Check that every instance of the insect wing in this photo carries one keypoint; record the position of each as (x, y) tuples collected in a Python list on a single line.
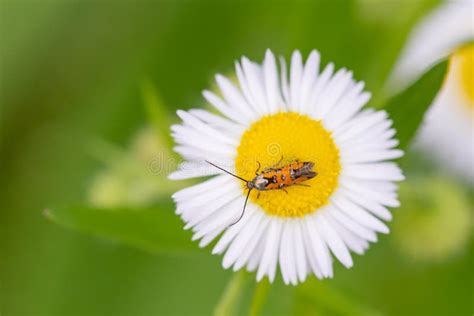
[(305, 172)]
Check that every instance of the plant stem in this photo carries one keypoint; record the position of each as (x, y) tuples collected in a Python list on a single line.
[(227, 303), (259, 297)]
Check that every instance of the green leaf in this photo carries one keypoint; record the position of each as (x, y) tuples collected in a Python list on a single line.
[(408, 108), (156, 230), (157, 112)]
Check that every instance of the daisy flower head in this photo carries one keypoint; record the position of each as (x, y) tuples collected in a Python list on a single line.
[(448, 130), (316, 162)]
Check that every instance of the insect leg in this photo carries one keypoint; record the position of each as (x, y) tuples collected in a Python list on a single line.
[(284, 190), (259, 165), (302, 184), (274, 167), (279, 161)]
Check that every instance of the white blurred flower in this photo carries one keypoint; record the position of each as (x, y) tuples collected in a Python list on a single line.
[(448, 130), (135, 177)]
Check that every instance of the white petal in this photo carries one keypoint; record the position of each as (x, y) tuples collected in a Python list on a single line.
[(332, 239), (352, 225), (353, 242), (374, 171), (300, 255), (202, 187), (206, 240), (188, 170), (222, 107), (374, 156), (310, 74), (377, 136), (335, 89), (320, 248), (318, 88), (310, 252), (296, 75), (196, 214), (241, 240), (244, 85), (359, 125), (251, 247), (285, 87), (221, 219), (197, 154), (231, 232), (284, 254), (257, 255), (185, 135), (348, 106), (358, 147), (222, 124), (369, 191), (203, 199), (379, 186), (287, 254), (234, 98), (254, 76), (359, 214), (205, 128), (270, 74), (270, 254), (369, 204)]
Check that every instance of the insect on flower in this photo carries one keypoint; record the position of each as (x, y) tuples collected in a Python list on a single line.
[(275, 178), (315, 114)]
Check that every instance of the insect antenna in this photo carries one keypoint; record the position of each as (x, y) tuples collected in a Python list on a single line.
[(243, 210), (228, 172), (248, 193)]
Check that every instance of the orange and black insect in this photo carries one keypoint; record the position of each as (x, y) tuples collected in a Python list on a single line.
[(276, 178)]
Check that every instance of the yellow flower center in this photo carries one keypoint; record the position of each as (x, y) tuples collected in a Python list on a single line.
[(289, 137), (464, 58)]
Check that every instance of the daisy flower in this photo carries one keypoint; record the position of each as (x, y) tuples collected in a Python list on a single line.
[(448, 130), (308, 116)]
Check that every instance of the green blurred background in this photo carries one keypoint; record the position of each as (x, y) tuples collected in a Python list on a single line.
[(72, 73)]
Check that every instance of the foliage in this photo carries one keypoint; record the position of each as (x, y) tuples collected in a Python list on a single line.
[(82, 70)]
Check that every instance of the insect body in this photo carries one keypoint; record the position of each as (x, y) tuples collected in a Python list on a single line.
[(275, 178)]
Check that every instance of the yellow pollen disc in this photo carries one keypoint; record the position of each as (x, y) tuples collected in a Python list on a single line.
[(293, 137), (465, 59)]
